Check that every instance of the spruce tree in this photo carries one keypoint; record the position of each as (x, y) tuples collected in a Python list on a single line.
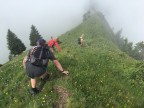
[(139, 51), (34, 36), (15, 45)]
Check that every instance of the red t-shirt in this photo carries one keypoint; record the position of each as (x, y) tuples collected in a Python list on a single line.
[(55, 43)]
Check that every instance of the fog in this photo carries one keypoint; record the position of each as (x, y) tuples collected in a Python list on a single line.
[(55, 17), (125, 14)]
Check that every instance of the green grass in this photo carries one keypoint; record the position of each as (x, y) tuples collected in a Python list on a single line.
[(101, 76)]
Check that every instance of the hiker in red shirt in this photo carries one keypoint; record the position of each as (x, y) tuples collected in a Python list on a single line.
[(54, 42)]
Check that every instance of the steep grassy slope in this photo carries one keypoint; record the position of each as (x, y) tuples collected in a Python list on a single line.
[(101, 76)]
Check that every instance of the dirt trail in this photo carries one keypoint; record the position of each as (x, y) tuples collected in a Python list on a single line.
[(63, 96)]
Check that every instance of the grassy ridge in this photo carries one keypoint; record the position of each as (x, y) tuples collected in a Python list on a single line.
[(101, 76)]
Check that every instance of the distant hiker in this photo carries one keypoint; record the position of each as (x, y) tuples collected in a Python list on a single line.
[(54, 42), (80, 40), (36, 62)]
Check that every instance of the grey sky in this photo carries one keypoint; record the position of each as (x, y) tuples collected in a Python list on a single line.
[(55, 17)]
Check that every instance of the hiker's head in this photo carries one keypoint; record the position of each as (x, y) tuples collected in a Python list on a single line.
[(41, 42)]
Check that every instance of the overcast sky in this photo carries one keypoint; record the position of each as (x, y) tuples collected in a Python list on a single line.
[(55, 17)]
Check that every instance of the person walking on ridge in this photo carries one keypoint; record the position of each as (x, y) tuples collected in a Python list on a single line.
[(81, 40), (36, 62), (52, 43)]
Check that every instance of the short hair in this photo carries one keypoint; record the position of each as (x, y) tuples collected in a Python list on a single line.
[(41, 42)]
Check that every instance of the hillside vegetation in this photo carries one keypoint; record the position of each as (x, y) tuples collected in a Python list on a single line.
[(101, 76)]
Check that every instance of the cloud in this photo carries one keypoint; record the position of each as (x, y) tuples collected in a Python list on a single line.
[(126, 14)]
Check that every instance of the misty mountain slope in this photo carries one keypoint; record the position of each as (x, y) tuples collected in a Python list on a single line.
[(101, 76)]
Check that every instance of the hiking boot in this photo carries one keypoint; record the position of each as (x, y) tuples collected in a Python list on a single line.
[(34, 91)]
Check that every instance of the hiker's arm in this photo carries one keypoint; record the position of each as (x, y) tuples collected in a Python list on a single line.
[(26, 58), (58, 65), (24, 61)]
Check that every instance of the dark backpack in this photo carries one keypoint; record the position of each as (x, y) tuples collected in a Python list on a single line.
[(38, 56)]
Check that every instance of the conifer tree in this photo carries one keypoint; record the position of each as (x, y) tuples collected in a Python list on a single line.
[(15, 45), (139, 51), (34, 35)]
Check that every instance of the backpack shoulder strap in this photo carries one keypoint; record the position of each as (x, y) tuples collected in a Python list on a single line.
[(41, 53)]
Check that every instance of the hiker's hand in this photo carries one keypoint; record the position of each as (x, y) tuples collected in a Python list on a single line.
[(65, 72), (24, 62)]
